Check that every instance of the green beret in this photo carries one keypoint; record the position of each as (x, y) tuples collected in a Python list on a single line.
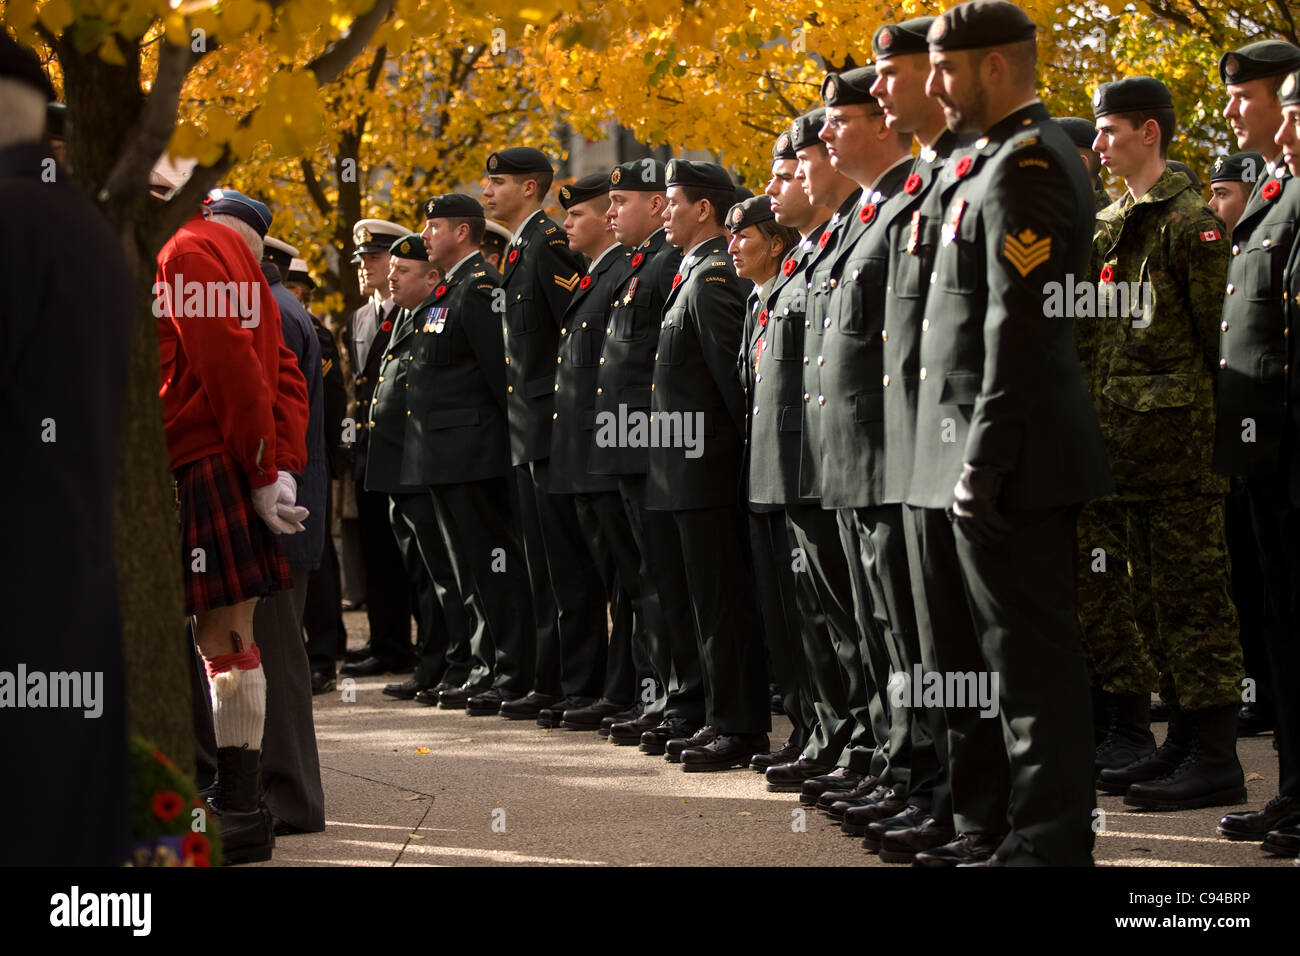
[(1081, 131), (588, 187), (805, 129), (453, 206), (849, 87), (409, 247), (749, 212), (519, 159), (979, 23), (1238, 168), (639, 175), (685, 172), (1129, 95), (1289, 94), (1187, 171), (1259, 59), (900, 39)]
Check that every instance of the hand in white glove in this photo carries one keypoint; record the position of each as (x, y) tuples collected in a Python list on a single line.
[(265, 504), (286, 503)]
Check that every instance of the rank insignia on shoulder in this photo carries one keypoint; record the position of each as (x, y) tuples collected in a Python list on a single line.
[(478, 275), (1210, 235), (1034, 161), (551, 230), (717, 262), (1027, 141), (567, 284), (1026, 251), (715, 278)]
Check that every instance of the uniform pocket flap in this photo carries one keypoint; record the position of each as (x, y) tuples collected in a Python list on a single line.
[(960, 388), (1272, 368), (537, 387), (870, 406), (452, 418), (1146, 393), (791, 419)]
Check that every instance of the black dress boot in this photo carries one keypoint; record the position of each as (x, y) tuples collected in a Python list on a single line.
[(1163, 760), (1128, 736), (246, 828), (1209, 776), (1100, 715)]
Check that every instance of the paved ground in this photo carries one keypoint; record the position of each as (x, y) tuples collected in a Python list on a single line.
[(413, 785)]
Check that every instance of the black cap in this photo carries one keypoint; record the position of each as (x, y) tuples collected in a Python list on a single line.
[(56, 121), (21, 64), (409, 247), (900, 39), (749, 212), (228, 202), (452, 206), (849, 87), (979, 23), (1259, 59), (1238, 168), (684, 172), (588, 187), (805, 129), (743, 193), (1289, 93), (518, 159), (1186, 170), (639, 175), (1129, 95), (783, 148), (1081, 131)]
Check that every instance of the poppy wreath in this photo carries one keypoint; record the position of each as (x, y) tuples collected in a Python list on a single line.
[(165, 808)]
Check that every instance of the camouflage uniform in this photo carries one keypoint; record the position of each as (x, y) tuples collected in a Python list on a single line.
[(1162, 603), (1100, 194)]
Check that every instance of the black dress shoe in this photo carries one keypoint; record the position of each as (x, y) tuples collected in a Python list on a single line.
[(702, 737), (789, 753), (726, 751), (967, 848), (629, 733), (789, 777), (902, 846), (1252, 721), (863, 788), (839, 807), (322, 680), (841, 778), (622, 717), (357, 654), (1284, 841), (406, 690), (592, 716), (655, 740), (856, 819), (909, 817), (457, 698), (429, 696), (528, 706), (369, 667), (488, 703), (1281, 811), (552, 716)]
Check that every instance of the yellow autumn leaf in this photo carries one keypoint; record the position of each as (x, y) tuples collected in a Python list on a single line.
[(422, 750), (56, 15)]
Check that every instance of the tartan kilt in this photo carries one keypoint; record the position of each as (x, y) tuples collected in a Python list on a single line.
[(241, 557)]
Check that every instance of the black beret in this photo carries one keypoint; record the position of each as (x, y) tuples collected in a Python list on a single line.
[(684, 172), (588, 187), (1259, 59), (899, 39), (639, 175), (518, 159), (1186, 170), (849, 87), (980, 23), (749, 212), (743, 193), (410, 247), (452, 206), (1081, 131), (1238, 168), (21, 64), (783, 148), (805, 129), (1129, 95), (56, 121), (1289, 94)]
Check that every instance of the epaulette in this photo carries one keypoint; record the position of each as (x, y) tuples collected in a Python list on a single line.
[(1029, 140), (716, 262), (478, 275), (485, 285), (551, 230)]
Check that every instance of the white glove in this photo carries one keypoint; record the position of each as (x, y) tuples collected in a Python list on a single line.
[(286, 504), (265, 504)]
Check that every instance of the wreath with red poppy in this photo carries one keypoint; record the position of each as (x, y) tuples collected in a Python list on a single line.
[(963, 166), (912, 184), (585, 283), (868, 212), (1271, 190)]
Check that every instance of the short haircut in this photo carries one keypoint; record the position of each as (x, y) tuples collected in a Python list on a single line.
[(1166, 119), (788, 236), (246, 232), (477, 226), (22, 113), (1021, 57), (720, 200), (543, 181)]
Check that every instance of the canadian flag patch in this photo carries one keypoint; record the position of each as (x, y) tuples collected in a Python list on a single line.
[(1210, 235)]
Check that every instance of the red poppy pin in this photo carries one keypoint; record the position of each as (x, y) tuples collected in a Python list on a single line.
[(821, 243), (868, 212), (514, 254), (788, 267), (963, 166), (439, 292), (677, 280), (762, 318), (387, 326), (1107, 273), (1271, 189), (637, 259), (585, 283), (912, 184)]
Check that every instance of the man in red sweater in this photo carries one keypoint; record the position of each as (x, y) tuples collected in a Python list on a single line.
[(235, 415)]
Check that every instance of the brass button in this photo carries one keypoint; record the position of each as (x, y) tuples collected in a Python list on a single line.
[(821, 399), (805, 360), (834, 283), (374, 401), (564, 331), (381, 378), (923, 375), (656, 356), (807, 323), (1267, 242), (1235, 248), (557, 386), (652, 388), (602, 360), (755, 409), (600, 391), (885, 381), (510, 388), (1229, 288), (981, 142), (408, 411), (584, 325), (554, 415), (390, 357), (856, 273), (407, 385), (758, 376), (826, 322), (925, 325), (1223, 326), (1223, 363), (559, 359), (821, 360), (884, 335), (807, 397), (370, 424), (507, 359), (933, 277)]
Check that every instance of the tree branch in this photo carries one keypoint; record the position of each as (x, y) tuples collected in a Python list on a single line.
[(342, 51), (314, 188), (188, 198), (154, 130)]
